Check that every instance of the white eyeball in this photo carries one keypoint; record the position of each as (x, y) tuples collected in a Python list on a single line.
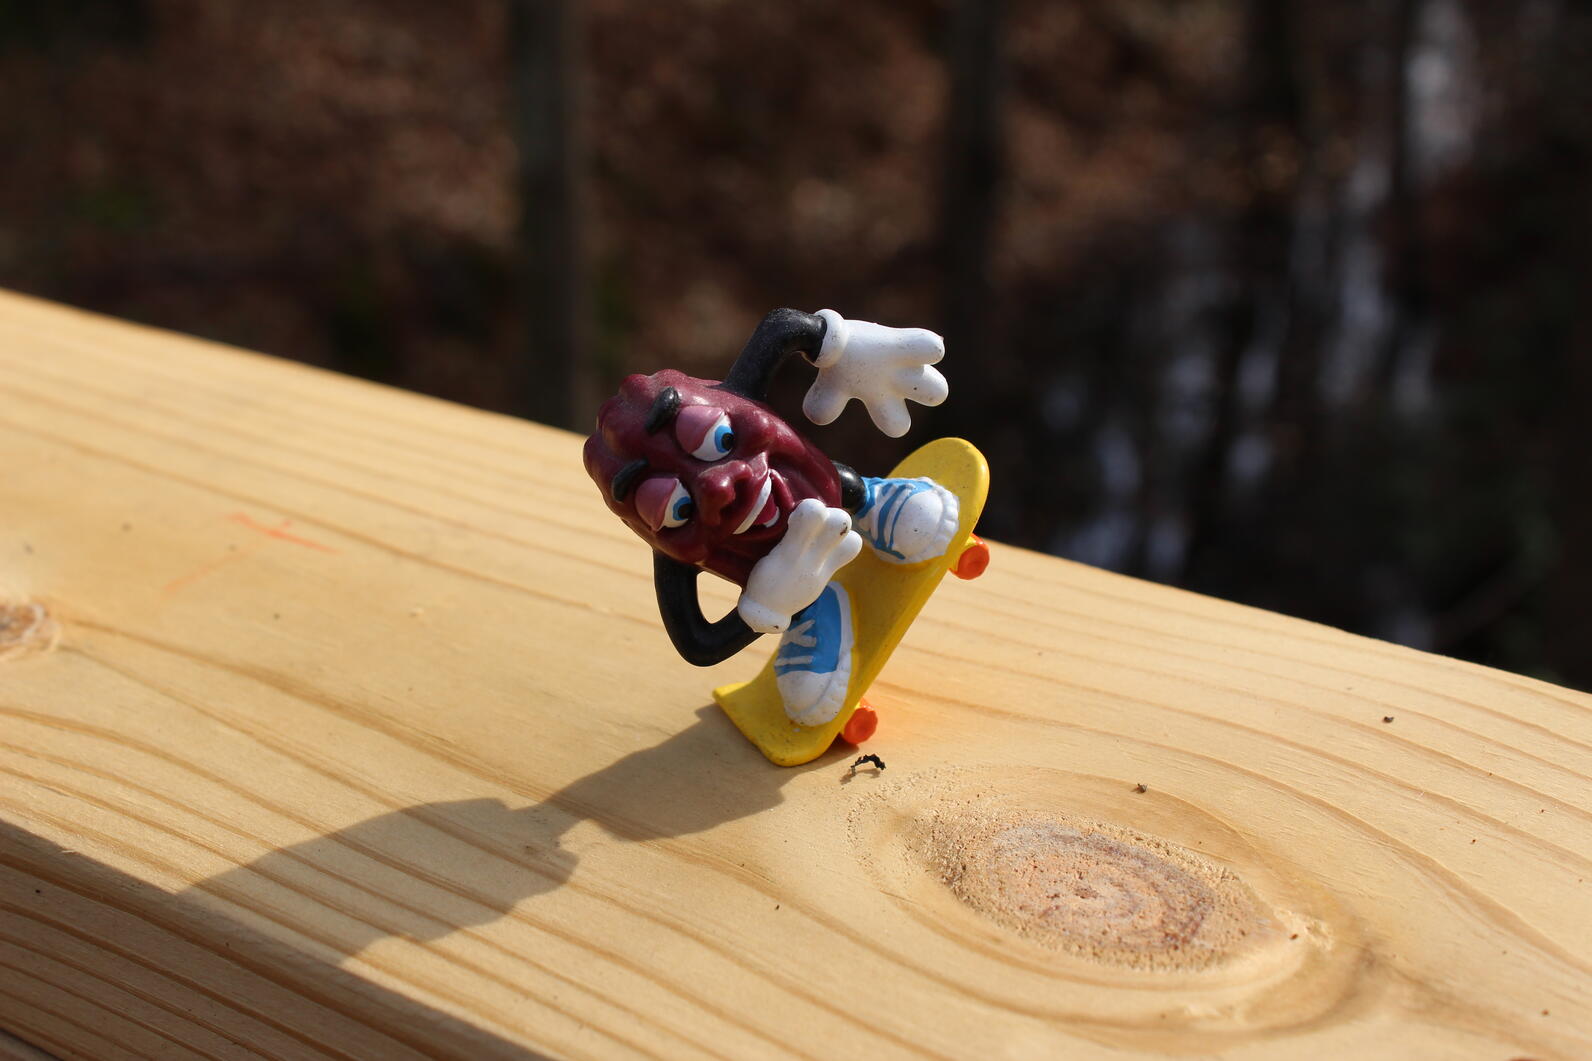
[(718, 442)]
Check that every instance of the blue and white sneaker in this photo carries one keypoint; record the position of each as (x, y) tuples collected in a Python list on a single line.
[(813, 664), (906, 521)]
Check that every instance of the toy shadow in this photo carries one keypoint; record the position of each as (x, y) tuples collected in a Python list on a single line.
[(426, 871), (227, 984)]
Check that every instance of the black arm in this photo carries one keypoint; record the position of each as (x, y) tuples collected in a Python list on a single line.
[(781, 334), (698, 641)]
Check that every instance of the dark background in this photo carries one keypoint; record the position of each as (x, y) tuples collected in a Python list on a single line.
[(1282, 302)]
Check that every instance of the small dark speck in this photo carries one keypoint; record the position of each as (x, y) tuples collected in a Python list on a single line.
[(38, 891), (1294, 936), (1544, 1013), (27, 548), (276, 615), (862, 759), (776, 906), (1387, 718), (1473, 839), (1141, 789)]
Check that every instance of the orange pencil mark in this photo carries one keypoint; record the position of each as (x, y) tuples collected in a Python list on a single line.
[(195, 575), (280, 532)]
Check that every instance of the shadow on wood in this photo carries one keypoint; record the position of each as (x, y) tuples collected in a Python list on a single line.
[(96, 963), (427, 871)]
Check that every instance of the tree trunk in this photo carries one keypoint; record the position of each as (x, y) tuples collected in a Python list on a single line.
[(544, 38)]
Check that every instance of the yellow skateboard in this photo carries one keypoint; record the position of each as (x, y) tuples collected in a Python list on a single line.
[(885, 598)]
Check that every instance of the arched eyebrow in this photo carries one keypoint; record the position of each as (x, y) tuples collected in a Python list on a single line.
[(664, 408), (626, 478)]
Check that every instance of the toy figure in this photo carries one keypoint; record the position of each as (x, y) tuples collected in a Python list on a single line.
[(713, 479)]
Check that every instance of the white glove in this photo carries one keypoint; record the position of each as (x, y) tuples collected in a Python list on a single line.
[(818, 542), (881, 367)]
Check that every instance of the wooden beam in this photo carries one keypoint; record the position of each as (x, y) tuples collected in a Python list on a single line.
[(357, 736)]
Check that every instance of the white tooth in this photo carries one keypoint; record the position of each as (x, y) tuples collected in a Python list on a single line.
[(773, 517), (762, 499)]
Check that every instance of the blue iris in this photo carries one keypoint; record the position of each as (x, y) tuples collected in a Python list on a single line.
[(678, 508), (718, 441)]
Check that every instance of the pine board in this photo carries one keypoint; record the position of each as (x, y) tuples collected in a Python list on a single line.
[(359, 737)]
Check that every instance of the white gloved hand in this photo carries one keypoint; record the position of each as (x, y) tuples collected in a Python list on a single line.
[(818, 542), (881, 367)]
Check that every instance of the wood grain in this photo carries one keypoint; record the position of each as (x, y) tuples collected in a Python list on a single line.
[(358, 737)]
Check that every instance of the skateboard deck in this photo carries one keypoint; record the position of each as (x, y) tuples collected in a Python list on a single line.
[(885, 599)]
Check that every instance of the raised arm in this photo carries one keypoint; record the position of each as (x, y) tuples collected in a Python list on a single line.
[(884, 368), (782, 333)]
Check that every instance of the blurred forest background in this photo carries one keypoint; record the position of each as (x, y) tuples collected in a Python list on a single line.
[(1282, 302)]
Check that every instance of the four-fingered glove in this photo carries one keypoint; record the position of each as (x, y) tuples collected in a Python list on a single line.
[(880, 367), (818, 542)]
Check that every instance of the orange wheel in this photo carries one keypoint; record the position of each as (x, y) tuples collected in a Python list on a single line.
[(860, 726), (974, 559)]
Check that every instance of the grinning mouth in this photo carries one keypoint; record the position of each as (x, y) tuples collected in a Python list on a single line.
[(764, 511)]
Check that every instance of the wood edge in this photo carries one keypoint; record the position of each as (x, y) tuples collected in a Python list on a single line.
[(45, 312), (14, 1049)]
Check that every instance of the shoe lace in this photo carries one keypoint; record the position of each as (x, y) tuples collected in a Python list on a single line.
[(798, 637)]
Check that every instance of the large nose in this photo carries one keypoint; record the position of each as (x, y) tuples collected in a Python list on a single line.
[(715, 491)]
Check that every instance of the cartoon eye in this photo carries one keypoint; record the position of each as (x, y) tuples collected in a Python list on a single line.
[(705, 433), (662, 501), (678, 510)]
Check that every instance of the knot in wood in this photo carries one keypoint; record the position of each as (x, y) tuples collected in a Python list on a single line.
[(1095, 890), (25, 627)]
